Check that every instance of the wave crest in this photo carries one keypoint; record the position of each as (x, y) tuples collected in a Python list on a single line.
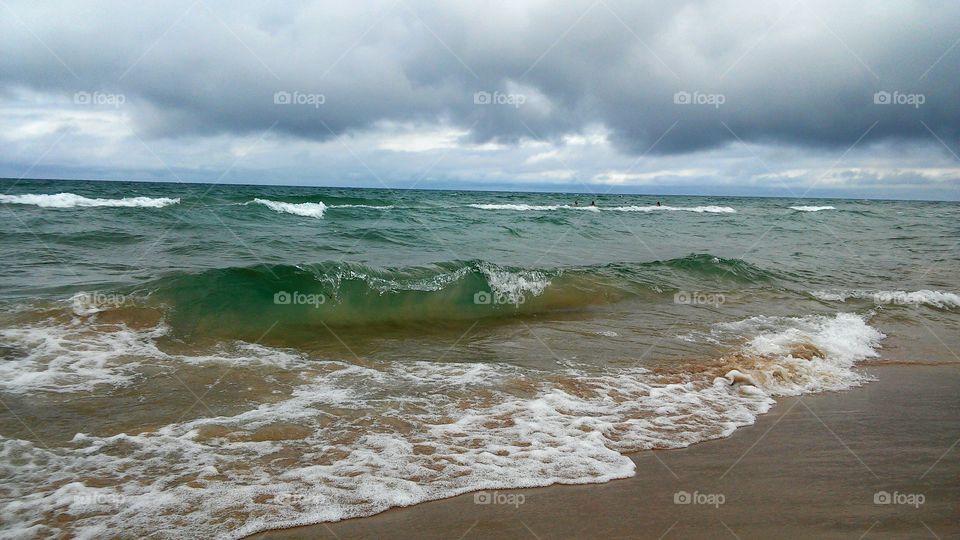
[(651, 208), (71, 200), (234, 301), (938, 299), (811, 208), (711, 209), (307, 209)]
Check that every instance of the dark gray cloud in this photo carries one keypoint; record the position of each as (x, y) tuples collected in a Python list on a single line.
[(796, 73)]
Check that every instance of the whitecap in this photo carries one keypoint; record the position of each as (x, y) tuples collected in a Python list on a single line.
[(938, 299), (70, 200), (711, 209), (526, 207), (812, 208), (651, 208), (314, 210)]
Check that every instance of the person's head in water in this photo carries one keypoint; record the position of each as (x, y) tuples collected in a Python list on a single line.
[(576, 202), (658, 203), (593, 203)]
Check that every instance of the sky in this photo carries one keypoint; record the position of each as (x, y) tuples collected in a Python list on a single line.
[(796, 98)]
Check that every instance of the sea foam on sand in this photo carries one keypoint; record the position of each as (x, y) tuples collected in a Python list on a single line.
[(353, 440)]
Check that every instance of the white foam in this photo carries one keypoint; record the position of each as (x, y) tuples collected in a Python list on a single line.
[(70, 200), (74, 357), (395, 434), (811, 208), (844, 340), (376, 207), (699, 209), (83, 355), (514, 287), (554, 437), (650, 208), (314, 210), (938, 299), (525, 207)]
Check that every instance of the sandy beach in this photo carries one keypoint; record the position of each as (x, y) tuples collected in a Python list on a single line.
[(816, 466)]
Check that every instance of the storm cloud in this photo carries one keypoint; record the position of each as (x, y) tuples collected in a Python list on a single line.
[(658, 79)]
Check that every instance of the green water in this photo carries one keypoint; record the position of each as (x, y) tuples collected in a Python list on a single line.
[(296, 350)]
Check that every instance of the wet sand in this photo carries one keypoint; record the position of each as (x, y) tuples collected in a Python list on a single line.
[(811, 468)]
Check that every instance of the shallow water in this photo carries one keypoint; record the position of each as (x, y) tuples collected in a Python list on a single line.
[(248, 357)]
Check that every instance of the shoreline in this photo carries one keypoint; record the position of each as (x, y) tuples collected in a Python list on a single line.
[(812, 466)]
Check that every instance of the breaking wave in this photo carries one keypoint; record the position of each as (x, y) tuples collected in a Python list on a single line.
[(237, 302), (938, 299), (70, 200), (811, 208), (650, 208), (308, 209), (349, 440)]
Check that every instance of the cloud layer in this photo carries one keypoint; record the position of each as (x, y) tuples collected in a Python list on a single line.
[(621, 93)]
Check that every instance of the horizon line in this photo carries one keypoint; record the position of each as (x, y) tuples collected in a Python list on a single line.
[(476, 190)]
